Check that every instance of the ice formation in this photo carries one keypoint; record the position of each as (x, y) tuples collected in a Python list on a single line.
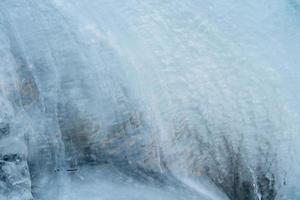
[(149, 99)]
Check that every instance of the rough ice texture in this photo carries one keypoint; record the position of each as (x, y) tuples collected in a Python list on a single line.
[(198, 97)]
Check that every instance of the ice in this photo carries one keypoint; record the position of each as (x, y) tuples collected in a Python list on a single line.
[(108, 183), (153, 99)]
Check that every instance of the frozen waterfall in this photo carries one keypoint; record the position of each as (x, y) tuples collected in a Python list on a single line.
[(149, 99)]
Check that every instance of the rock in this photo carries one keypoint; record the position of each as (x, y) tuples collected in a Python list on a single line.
[(15, 180), (4, 129)]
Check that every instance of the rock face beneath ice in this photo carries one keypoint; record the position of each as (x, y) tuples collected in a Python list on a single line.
[(197, 98), (15, 180)]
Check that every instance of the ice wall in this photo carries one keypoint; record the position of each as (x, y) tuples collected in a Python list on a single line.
[(167, 92)]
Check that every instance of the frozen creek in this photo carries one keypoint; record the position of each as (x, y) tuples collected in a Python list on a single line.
[(149, 99)]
